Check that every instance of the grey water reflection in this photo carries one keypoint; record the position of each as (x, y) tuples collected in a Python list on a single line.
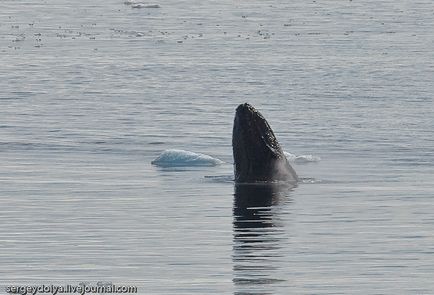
[(258, 238)]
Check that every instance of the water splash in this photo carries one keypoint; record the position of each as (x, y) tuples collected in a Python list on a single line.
[(301, 158)]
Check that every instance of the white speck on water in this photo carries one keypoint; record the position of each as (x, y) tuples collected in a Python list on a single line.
[(135, 4)]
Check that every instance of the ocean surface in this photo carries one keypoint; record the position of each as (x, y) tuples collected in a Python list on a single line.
[(91, 92)]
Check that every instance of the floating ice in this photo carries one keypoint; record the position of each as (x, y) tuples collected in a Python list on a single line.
[(135, 4), (301, 158), (178, 158)]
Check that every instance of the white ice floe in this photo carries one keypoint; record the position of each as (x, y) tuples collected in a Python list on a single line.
[(178, 158)]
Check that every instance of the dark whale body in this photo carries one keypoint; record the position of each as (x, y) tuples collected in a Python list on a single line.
[(258, 157)]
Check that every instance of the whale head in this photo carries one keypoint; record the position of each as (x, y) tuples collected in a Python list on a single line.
[(258, 156)]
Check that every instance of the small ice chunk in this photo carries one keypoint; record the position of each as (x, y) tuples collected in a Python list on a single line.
[(143, 5), (182, 158)]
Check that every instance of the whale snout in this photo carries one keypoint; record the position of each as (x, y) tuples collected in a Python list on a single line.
[(245, 108), (246, 117)]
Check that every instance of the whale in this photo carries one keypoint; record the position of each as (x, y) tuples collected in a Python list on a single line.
[(258, 156)]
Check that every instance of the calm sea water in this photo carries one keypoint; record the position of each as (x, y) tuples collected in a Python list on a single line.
[(93, 91)]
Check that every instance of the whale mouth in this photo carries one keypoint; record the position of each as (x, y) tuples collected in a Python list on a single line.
[(254, 143)]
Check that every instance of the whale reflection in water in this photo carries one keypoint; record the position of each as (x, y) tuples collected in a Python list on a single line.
[(258, 238)]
